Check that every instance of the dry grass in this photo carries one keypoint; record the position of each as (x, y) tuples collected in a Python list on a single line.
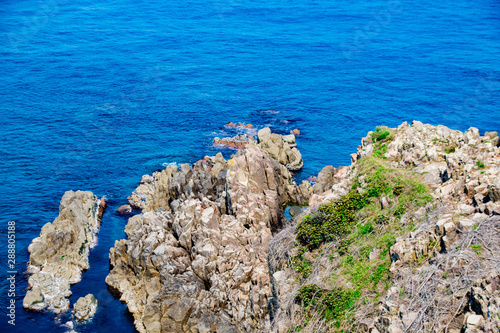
[(438, 292)]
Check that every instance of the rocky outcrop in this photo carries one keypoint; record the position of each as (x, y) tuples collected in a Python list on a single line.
[(60, 254), (196, 259), (205, 179), (444, 272), (85, 308), (281, 148)]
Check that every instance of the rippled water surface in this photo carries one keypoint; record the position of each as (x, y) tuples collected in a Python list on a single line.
[(95, 94)]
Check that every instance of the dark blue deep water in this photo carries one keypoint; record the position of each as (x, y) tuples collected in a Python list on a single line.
[(94, 94)]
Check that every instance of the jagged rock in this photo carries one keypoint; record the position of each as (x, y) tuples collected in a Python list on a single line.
[(295, 211), (290, 139), (60, 254), (264, 134), (471, 136), (85, 308), (494, 191), (197, 261), (493, 137), (197, 258), (34, 300), (305, 191)]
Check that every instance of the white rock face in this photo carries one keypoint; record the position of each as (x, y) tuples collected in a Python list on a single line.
[(60, 254)]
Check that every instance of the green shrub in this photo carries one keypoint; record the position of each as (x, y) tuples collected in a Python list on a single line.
[(301, 265), (400, 211), (381, 218), (331, 220), (331, 304), (344, 245), (308, 295), (480, 164), (365, 229), (381, 133)]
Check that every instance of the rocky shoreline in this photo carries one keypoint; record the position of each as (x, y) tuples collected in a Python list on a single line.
[(212, 250)]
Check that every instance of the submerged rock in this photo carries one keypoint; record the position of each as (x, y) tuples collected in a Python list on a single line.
[(237, 142), (124, 210), (85, 308), (60, 254), (233, 125)]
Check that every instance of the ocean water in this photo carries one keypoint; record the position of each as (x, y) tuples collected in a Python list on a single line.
[(95, 94)]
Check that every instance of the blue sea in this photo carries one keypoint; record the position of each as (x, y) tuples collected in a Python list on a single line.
[(94, 94)]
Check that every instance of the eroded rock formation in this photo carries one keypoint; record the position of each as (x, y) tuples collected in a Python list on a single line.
[(61, 252), (196, 259), (281, 148)]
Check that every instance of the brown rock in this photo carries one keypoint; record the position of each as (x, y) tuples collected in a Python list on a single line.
[(103, 203), (236, 142), (124, 210), (245, 126), (295, 131)]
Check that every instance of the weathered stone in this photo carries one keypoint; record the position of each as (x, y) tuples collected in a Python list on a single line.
[(295, 211), (60, 254), (85, 308), (278, 147)]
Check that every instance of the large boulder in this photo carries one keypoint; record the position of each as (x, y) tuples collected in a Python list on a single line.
[(324, 181)]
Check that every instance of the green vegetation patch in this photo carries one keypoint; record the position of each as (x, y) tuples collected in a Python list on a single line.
[(331, 304), (450, 149), (380, 138), (301, 265), (381, 133), (331, 220), (363, 231)]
